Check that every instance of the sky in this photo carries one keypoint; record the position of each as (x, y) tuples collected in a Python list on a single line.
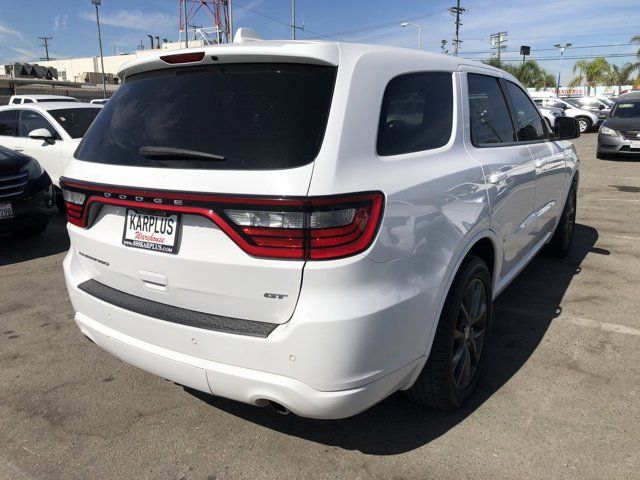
[(587, 24)]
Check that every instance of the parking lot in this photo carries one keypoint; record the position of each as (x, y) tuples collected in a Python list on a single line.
[(560, 397)]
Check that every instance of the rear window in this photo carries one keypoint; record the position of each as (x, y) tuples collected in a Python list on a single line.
[(75, 121), (235, 116)]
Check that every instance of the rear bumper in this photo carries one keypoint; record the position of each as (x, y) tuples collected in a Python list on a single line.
[(242, 384), (338, 355)]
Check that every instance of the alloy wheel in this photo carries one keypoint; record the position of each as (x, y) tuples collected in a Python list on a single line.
[(469, 334)]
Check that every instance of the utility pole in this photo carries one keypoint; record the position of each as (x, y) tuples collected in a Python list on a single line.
[(562, 48), (230, 37), (104, 82), (45, 44), (293, 19), (499, 43), (294, 27), (186, 26), (457, 11)]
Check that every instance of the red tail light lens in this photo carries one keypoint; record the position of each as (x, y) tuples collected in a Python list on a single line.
[(315, 228)]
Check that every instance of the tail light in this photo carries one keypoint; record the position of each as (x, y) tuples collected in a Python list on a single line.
[(312, 228)]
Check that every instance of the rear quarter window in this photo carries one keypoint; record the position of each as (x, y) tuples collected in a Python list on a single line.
[(416, 114)]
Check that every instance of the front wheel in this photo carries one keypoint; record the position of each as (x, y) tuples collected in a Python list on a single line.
[(451, 373), (562, 239), (584, 124)]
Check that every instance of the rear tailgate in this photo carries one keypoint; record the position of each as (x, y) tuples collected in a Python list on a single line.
[(248, 130)]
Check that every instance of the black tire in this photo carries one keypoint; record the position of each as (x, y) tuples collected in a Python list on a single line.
[(34, 229), (562, 239), (440, 384), (584, 124)]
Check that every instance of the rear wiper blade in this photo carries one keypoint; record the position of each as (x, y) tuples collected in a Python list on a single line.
[(149, 151)]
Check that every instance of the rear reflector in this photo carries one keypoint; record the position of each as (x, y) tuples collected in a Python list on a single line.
[(313, 228), (190, 57)]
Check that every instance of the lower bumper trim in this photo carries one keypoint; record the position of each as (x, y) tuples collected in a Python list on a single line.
[(173, 314)]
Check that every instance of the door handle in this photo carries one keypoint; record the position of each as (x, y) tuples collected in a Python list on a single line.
[(540, 163), (497, 177)]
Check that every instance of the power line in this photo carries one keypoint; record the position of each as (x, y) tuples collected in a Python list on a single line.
[(276, 20)]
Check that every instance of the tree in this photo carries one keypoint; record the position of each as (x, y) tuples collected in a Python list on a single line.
[(530, 73), (636, 39), (623, 75), (590, 73)]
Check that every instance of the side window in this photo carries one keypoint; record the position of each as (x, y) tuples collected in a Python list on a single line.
[(417, 113), (8, 123), (27, 100), (529, 123), (15, 101), (489, 116), (28, 120)]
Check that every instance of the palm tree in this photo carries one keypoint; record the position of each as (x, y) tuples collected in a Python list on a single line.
[(636, 39), (623, 75), (590, 73)]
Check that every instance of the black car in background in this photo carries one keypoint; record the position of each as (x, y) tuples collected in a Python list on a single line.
[(620, 133), (27, 198)]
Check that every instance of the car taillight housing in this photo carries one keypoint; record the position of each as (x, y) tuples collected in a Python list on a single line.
[(310, 228)]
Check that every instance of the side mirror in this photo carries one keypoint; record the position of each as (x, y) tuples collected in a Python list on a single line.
[(566, 128), (41, 134)]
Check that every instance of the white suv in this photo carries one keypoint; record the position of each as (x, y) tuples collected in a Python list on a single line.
[(311, 225)]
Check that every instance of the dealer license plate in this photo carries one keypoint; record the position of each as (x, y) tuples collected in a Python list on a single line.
[(151, 231), (6, 211)]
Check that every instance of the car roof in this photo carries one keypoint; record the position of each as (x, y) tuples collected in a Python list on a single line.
[(317, 52), (44, 106), (629, 96), (41, 96)]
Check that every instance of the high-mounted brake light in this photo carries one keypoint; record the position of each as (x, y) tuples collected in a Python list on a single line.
[(190, 57), (312, 228)]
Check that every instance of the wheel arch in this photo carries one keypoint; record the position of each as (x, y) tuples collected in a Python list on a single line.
[(483, 244)]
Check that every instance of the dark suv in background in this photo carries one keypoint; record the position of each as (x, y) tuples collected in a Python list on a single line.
[(26, 194)]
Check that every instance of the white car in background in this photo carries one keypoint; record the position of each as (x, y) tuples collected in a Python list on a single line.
[(550, 114), (99, 101), (20, 99), (48, 131), (586, 119)]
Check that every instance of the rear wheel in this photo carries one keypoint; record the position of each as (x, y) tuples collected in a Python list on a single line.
[(451, 372), (560, 243), (584, 124)]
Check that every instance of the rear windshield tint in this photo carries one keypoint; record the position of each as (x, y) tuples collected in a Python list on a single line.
[(243, 116)]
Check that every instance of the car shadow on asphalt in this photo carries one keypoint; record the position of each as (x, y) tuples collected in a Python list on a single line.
[(522, 315), (16, 249)]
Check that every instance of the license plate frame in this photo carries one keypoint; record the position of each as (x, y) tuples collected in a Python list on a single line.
[(635, 144), (144, 244), (6, 211)]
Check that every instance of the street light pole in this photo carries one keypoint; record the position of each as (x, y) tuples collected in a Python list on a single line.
[(104, 83), (562, 48), (419, 27)]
